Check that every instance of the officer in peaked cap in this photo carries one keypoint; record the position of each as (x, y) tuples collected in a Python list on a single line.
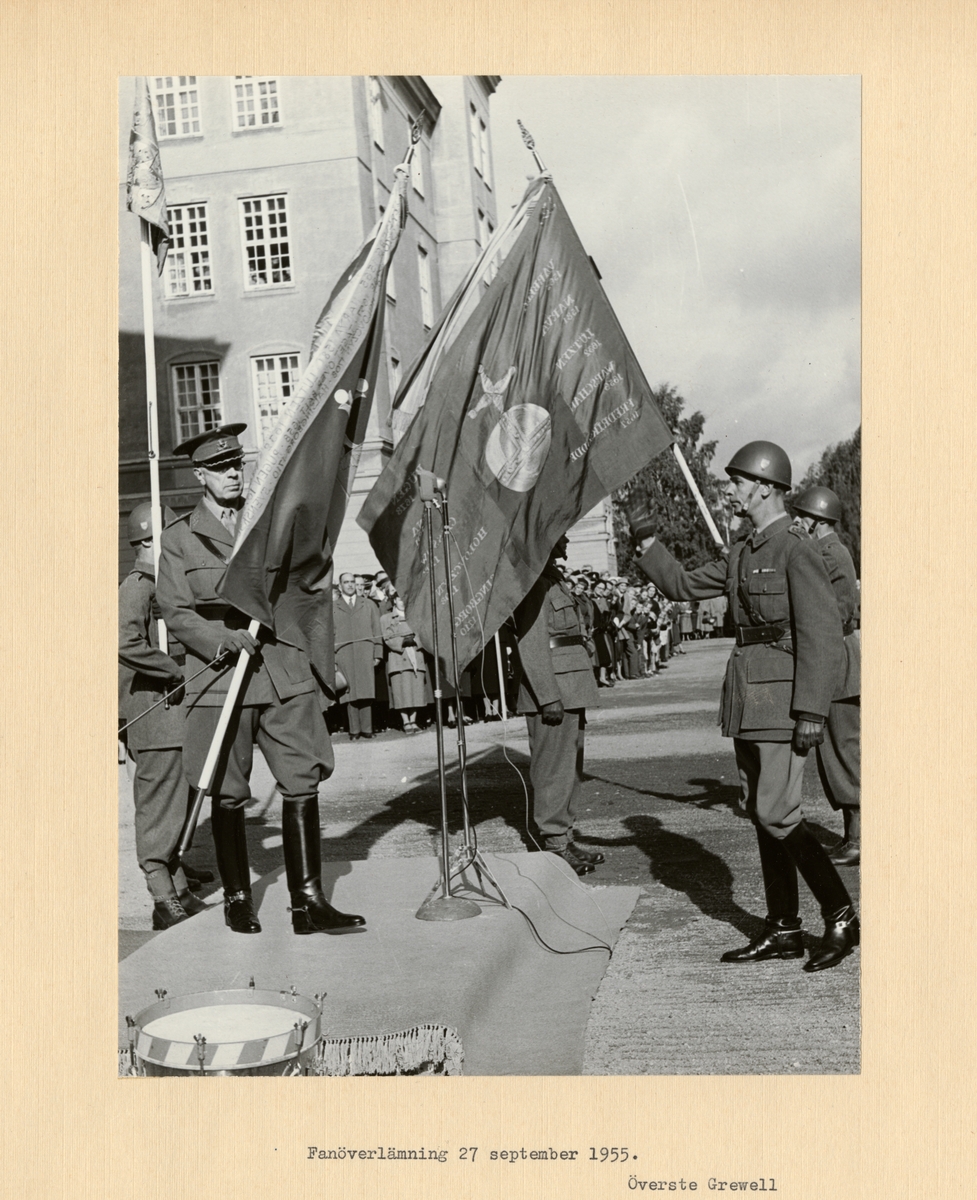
[(780, 681), (819, 510), (214, 444), (279, 705), (154, 741)]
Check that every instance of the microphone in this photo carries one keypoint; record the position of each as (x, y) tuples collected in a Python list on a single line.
[(429, 485)]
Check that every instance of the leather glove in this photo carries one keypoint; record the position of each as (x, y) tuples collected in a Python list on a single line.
[(233, 641), (807, 735), (177, 696), (638, 512), (552, 713), (154, 608)]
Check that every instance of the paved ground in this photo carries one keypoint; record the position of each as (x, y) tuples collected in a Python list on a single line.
[(661, 801)]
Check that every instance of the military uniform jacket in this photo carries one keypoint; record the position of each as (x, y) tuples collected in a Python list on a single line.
[(359, 644), (841, 572), (145, 672), (194, 555), (563, 672), (777, 576)]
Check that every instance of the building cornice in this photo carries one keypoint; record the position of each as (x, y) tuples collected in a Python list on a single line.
[(420, 97)]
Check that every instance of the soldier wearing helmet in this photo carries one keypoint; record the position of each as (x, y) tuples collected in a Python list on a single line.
[(780, 681), (154, 741), (818, 510)]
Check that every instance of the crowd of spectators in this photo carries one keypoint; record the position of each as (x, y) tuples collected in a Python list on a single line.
[(632, 632)]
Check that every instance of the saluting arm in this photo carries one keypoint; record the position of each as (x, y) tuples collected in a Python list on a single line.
[(668, 574)]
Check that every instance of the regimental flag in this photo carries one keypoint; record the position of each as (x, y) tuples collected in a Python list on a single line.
[(535, 411), (280, 571), (145, 194)]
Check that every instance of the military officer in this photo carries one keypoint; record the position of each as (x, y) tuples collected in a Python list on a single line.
[(279, 705), (555, 686), (155, 740), (779, 685), (819, 510)]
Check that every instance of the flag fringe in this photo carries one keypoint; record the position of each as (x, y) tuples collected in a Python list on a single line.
[(422, 1050)]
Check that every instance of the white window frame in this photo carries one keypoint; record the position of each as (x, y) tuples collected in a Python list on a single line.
[(254, 212), (425, 286), (374, 105), (273, 393), (202, 380), (263, 115), (187, 272), (183, 95)]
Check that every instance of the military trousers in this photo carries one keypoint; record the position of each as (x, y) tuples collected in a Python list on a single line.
[(291, 734), (556, 754), (839, 755), (159, 790), (771, 775)]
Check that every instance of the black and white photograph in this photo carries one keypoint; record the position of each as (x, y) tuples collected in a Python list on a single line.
[(489, 561)]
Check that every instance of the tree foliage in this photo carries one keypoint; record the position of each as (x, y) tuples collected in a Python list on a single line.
[(840, 468), (678, 522)]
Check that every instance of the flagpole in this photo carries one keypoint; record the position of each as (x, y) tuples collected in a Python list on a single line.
[(717, 537), (498, 661), (209, 769), (152, 410)]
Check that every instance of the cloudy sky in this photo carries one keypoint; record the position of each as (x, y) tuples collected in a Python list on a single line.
[(723, 214)]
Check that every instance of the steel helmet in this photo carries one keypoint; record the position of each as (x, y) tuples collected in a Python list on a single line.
[(763, 461), (820, 502), (140, 523)]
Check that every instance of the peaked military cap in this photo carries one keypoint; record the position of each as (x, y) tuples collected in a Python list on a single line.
[(215, 443)]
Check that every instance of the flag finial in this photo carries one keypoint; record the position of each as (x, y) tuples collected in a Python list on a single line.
[(530, 141)]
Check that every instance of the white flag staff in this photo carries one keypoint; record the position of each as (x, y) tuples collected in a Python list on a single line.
[(717, 537), (146, 197), (217, 744)]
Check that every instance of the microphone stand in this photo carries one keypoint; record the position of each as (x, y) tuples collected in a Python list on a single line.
[(469, 848), (445, 907)]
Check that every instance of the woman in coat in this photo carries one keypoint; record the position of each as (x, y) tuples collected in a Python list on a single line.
[(406, 672)]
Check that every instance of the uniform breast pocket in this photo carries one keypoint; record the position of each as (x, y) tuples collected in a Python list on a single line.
[(768, 595), (203, 580), (563, 615)]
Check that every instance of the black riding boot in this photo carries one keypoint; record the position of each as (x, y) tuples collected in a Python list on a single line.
[(231, 851), (311, 912), (781, 936), (819, 873)]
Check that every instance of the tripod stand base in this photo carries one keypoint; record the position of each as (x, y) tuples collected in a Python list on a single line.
[(447, 908)]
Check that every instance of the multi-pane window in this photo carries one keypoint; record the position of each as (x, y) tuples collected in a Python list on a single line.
[(264, 230), (188, 260), (480, 146), (255, 102), (375, 107), (273, 378), (196, 388), (177, 108), (424, 278), (483, 233)]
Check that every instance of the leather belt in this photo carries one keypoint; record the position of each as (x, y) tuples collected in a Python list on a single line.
[(566, 639), (752, 635)]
